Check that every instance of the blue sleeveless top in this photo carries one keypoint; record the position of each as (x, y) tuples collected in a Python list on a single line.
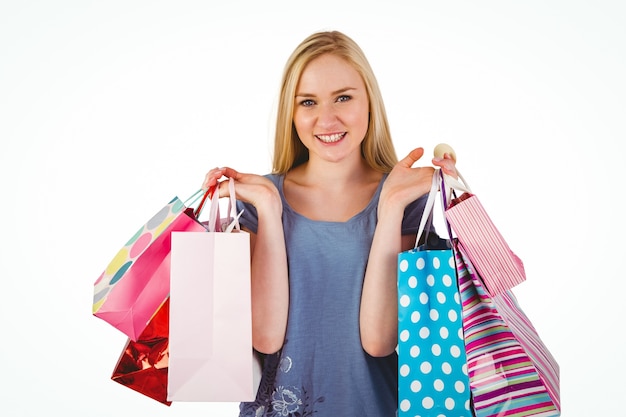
[(322, 369)]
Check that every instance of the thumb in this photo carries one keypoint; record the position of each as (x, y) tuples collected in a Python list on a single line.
[(412, 157)]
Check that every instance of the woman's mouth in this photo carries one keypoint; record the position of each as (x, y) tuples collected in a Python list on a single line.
[(335, 137)]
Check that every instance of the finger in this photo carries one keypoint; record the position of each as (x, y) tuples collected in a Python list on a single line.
[(447, 165), (211, 178), (412, 157), (231, 173)]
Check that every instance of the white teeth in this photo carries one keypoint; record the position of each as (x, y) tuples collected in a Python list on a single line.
[(330, 138)]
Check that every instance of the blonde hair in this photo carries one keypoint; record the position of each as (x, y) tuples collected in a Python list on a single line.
[(289, 152)]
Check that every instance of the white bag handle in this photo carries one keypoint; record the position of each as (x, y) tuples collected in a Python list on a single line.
[(232, 221), (449, 183), (232, 210), (428, 208), (452, 184)]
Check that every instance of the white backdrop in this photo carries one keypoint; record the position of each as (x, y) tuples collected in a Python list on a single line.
[(109, 109)]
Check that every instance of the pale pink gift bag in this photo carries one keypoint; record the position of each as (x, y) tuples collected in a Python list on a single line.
[(210, 341), (498, 266)]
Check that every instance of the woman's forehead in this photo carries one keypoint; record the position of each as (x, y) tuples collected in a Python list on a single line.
[(328, 73)]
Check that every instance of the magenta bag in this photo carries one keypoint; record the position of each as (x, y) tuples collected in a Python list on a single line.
[(137, 280)]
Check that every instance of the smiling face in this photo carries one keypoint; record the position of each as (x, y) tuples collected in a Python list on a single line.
[(331, 109)]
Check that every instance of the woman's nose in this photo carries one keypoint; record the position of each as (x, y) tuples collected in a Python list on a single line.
[(327, 115)]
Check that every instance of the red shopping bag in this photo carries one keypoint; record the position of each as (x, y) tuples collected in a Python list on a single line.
[(136, 282), (498, 266), (143, 363)]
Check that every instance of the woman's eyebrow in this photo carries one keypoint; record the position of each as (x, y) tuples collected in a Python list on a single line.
[(334, 93)]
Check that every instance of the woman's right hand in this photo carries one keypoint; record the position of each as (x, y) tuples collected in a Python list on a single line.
[(250, 188), (268, 266)]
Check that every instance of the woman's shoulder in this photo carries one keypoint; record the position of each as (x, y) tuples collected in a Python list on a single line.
[(275, 178)]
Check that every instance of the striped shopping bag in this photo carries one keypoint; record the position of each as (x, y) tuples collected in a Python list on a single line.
[(528, 337), (499, 268), (511, 371)]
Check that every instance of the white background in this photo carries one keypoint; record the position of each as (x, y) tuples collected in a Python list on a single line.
[(109, 109)]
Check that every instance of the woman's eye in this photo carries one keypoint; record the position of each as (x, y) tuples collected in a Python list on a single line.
[(343, 98), (307, 103)]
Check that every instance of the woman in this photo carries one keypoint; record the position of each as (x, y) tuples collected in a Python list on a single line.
[(326, 229)]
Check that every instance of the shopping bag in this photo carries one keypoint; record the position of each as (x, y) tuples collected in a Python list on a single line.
[(511, 370), (142, 366), (211, 355), (432, 365), (136, 282), (499, 267)]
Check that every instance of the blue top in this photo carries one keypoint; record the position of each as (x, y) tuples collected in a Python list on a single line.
[(322, 367)]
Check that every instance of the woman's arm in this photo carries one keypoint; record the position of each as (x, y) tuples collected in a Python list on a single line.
[(379, 308), (269, 284)]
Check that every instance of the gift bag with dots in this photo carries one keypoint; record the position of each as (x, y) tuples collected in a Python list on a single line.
[(432, 364), (136, 281)]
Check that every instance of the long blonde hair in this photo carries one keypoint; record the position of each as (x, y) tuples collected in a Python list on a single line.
[(289, 152)]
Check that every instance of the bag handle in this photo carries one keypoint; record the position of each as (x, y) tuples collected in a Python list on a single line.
[(439, 181), (428, 208), (214, 223), (451, 184), (190, 201), (454, 184), (232, 209), (207, 194)]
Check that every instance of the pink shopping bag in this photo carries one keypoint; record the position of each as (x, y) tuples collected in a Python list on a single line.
[(211, 356), (136, 282), (499, 267)]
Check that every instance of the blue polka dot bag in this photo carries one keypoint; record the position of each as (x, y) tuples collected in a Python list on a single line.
[(432, 362)]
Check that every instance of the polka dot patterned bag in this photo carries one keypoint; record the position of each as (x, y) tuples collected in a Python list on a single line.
[(136, 282), (432, 364)]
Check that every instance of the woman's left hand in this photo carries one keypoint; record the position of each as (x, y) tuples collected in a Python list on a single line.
[(405, 182), (447, 165)]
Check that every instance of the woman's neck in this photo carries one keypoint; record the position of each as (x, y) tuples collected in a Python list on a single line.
[(325, 191), (332, 174)]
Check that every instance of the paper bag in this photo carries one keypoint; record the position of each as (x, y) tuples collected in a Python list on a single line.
[(136, 282), (211, 355), (432, 365), (511, 370), (142, 366), (499, 267)]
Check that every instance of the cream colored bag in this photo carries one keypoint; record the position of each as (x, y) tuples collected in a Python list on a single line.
[(211, 355)]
